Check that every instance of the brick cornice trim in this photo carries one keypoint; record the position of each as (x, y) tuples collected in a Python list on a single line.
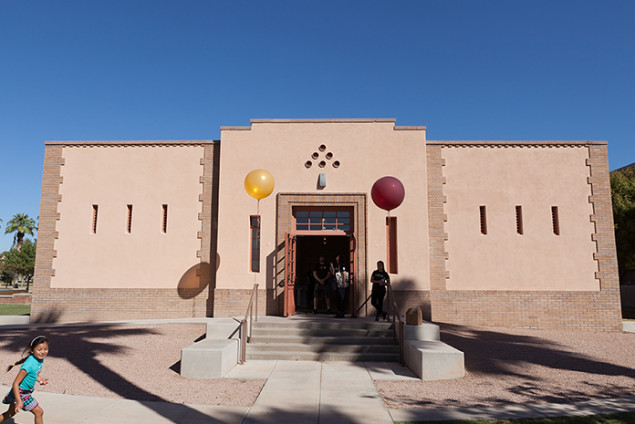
[(125, 143), (514, 143)]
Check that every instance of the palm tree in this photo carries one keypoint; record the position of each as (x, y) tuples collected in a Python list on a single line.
[(20, 224)]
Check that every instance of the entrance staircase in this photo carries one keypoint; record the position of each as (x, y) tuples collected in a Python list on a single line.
[(319, 338)]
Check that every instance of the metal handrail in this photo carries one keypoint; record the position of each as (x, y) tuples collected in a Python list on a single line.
[(362, 305), (249, 313), (399, 329)]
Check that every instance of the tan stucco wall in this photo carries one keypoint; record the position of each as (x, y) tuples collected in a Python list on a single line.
[(145, 176), (367, 151), (536, 178)]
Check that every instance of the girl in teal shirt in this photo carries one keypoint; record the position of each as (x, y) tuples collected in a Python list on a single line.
[(20, 395)]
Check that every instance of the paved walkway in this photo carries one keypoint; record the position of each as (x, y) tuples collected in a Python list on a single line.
[(297, 392)]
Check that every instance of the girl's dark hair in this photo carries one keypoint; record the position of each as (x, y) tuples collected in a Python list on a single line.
[(25, 354)]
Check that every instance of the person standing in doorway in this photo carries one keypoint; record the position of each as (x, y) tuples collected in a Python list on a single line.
[(379, 278), (341, 276), (322, 276)]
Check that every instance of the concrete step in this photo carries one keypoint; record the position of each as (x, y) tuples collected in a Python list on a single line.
[(323, 339), (322, 332), (323, 356), (325, 324), (332, 340), (344, 348)]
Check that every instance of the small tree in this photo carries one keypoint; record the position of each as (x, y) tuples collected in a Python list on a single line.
[(623, 197), (20, 224), (6, 277), (21, 261)]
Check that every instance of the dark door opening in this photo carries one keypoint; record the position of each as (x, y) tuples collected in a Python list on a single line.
[(308, 251)]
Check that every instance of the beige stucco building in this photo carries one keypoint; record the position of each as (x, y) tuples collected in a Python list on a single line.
[(499, 233)]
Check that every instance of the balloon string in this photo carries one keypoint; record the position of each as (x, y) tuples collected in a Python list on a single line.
[(258, 210)]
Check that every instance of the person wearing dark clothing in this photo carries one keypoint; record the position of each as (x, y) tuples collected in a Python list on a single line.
[(322, 276), (341, 276), (379, 278)]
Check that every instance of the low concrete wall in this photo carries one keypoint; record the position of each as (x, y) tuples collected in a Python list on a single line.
[(16, 299), (217, 354), (209, 358), (431, 360), (428, 357)]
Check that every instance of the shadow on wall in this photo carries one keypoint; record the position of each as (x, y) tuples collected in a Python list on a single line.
[(48, 316), (274, 281), (404, 284), (405, 301), (195, 280)]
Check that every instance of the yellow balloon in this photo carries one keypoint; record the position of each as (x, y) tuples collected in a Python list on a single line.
[(259, 184)]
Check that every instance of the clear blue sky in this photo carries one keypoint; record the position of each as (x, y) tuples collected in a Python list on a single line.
[(157, 69)]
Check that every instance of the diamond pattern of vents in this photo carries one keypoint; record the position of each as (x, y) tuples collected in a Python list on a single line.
[(322, 158)]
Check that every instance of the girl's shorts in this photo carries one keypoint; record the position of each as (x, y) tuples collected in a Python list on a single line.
[(28, 402)]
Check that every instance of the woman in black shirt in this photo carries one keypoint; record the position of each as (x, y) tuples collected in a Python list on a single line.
[(379, 278)]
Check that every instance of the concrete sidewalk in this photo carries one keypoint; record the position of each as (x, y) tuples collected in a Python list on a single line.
[(319, 392), (297, 392), (592, 407)]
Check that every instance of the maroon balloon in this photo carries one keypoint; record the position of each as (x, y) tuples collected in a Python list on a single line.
[(388, 193)]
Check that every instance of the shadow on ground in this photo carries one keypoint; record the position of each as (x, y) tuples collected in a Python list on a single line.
[(488, 352), (492, 352), (78, 345)]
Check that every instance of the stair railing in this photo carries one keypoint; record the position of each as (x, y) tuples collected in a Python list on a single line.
[(244, 338), (356, 314), (398, 324)]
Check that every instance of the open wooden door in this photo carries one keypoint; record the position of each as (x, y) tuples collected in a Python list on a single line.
[(289, 274), (355, 285)]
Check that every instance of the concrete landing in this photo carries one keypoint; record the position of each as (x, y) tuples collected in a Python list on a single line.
[(319, 392)]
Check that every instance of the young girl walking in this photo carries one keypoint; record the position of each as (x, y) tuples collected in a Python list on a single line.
[(19, 397)]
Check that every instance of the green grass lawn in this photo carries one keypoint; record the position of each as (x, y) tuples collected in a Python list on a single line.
[(9, 309), (621, 418)]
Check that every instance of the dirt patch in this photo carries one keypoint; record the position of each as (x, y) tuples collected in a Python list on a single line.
[(506, 366), (132, 362)]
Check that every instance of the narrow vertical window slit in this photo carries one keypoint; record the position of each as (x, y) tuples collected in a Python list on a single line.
[(519, 220), (391, 244), (164, 226), (483, 214), (555, 219), (254, 228), (129, 220), (94, 223)]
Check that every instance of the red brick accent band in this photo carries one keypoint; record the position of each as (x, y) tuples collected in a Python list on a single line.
[(16, 299), (75, 305)]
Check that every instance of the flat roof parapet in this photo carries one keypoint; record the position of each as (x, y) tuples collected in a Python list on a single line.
[(521, 143), (129, 142)]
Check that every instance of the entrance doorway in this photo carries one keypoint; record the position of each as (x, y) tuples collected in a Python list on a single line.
[(309, 248), (310, 225)]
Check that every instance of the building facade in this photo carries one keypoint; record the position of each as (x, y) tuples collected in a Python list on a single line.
[(490, 233)]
